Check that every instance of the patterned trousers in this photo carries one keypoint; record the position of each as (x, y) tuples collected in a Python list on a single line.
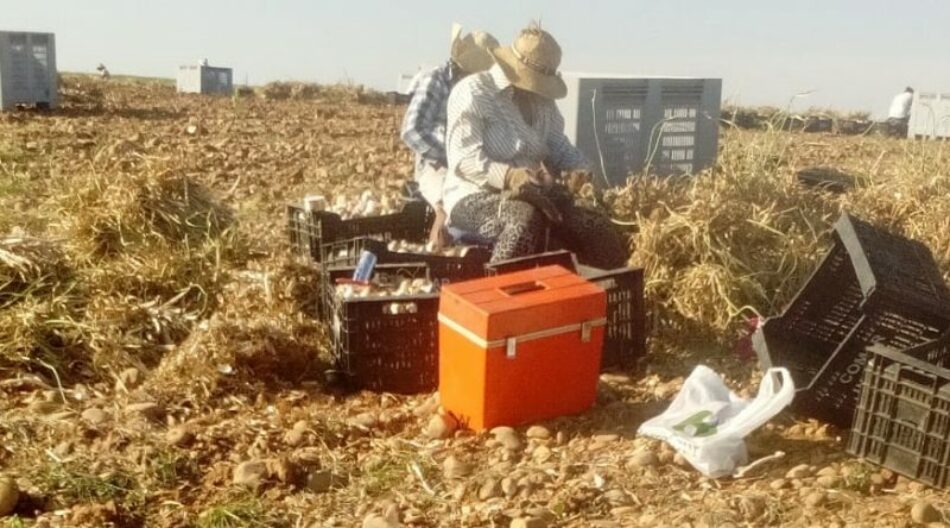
[(518, 228)]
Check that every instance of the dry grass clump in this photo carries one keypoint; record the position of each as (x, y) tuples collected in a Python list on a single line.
[(740, 240), (107, 215), (42, 331), (258, 336), (143, 259), (727, 243), (39, 303), (226, 355), (276, 91), (244, 91), (334, 93), (304, 91), (29, 266), (909, 193)]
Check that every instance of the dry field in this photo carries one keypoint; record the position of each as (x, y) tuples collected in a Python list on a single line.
[(157, 368)]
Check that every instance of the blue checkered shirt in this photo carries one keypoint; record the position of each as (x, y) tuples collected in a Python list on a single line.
[(423, 128)]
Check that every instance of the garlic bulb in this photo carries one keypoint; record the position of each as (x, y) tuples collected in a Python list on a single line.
[(314, 202), (370, 208), (405, 287), (368, 203)]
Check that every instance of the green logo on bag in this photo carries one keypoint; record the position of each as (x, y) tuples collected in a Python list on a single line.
[(696, 425)]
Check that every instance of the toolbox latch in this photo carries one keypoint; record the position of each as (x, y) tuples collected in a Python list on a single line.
[(585, 332), (511, 347)]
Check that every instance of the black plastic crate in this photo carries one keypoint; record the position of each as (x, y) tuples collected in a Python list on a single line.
[(307, 231), (562, 258), (872, 287), (625, 341), (902, 420), (442, 269), (381, 349)]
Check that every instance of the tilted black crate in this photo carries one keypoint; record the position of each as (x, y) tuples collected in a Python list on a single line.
[(308, 230), (625, 341), (387, 344), (442, 269), (872, 287), (902, 420)]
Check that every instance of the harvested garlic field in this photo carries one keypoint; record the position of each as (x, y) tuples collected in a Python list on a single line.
[(159, 366)]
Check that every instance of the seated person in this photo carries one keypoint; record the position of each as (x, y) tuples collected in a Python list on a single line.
[(423, 128), (506, 149)]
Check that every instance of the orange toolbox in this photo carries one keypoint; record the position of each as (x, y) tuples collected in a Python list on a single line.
[(521, 347)]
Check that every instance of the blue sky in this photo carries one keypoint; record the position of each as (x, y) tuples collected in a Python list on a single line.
[(854, 54)]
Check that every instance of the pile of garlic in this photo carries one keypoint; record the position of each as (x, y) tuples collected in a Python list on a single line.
[(377, 290), (367, 204), (403, 246)]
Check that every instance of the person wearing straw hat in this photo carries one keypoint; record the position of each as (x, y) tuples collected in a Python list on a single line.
[(423, 128), (506, 150)]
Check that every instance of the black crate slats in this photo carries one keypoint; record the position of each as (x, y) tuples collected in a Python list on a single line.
[(904, 267), (441, 268), (902, 419), (872, 287), (309, 230), (625, 340), (382, 349)]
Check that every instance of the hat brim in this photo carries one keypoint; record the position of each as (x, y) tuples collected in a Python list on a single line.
[(550, 86)]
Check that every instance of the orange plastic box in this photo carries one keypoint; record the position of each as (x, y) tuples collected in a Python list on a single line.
[(520, 347)]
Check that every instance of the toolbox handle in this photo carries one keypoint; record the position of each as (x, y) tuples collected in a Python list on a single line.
[(522, 288)]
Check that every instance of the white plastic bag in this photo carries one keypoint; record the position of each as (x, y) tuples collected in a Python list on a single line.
[(706, 423)]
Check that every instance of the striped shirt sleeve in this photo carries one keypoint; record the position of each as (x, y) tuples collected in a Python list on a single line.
[(465, 142), (561, 153), (421, 130)]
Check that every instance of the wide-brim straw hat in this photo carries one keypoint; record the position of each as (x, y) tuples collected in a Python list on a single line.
[(472, 52), (531, 63)]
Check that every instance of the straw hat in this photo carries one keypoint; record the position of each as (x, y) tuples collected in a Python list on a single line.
[(471, 52), (531, 63)]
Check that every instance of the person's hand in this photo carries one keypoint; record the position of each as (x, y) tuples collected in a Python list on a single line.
[(549, 175), (527, 185), (533, 194), (437, 234), (577, 179), (518, 177), (545, 178)]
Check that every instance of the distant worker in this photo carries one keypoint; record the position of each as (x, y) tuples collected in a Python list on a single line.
[(423, 128), (103, 71), (899, 115)]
